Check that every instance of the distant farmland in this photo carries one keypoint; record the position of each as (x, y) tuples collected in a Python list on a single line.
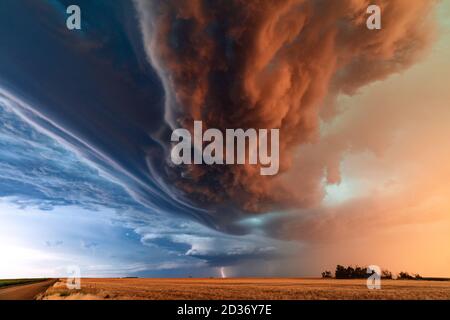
[(12, 282), (249, 288)]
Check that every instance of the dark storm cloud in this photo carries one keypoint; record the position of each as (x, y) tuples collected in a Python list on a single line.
[(272, 64), (93, 90)]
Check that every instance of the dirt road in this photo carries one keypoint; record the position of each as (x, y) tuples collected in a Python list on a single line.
[(26, 291)]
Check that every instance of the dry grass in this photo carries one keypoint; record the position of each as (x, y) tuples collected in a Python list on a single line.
[(59, 291), (242, 289)]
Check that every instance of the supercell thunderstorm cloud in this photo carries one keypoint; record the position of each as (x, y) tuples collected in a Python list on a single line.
[(270, 64), (96, 109)]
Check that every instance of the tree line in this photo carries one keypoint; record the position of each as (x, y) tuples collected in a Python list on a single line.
[(357, 272)]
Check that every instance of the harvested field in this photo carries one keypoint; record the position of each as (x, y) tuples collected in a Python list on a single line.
[(248, 288)]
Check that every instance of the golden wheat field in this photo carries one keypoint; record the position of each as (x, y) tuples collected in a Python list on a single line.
[(247, 289)]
